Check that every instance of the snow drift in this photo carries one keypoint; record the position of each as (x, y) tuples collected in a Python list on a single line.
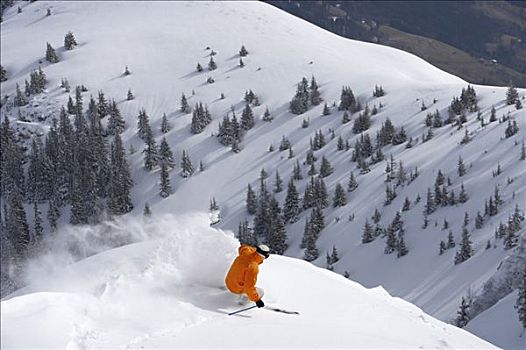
[(167, 292)]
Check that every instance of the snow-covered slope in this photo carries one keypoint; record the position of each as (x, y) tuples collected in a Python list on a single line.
[(165, 293), (506, 335), (162, 42)]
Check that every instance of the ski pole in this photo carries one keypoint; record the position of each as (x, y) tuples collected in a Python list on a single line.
[(238, 311)]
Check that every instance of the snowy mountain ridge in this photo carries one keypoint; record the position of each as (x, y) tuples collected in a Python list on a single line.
[(162, 53)]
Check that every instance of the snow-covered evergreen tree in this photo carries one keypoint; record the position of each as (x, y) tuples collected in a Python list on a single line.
[(187, 169), (251, 201), (243, 51), (211, 64), (368, 233), (325, 167), (352, 184), (120, 183), (463, 316), (278, 183), (340, 197), (165, 186), (3, 74), (520, 304), (116, 124), (69, 41), (465, 250), (51, 55), (511, 95), (247, 118), (300, 102), (184, 108)]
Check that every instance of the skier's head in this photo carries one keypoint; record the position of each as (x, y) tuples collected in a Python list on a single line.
[(263, 250)]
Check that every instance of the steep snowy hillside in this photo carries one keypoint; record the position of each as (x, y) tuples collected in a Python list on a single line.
[(162, 42), (165, 293)]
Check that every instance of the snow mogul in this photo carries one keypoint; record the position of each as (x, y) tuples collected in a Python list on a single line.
[(242, 276)]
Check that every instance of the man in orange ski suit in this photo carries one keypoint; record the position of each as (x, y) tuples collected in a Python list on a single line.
[(242, 276)]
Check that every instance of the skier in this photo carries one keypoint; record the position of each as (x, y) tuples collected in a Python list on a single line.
[(242, 276)]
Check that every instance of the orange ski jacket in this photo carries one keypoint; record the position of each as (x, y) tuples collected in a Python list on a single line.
[(243, 273)]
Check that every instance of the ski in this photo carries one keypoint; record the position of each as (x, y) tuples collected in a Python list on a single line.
[(282, 311)]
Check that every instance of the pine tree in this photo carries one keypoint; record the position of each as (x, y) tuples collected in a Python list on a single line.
[(479, 220), (16, 225), (465, 251), (211, 64), (116, 124), (165, 154), (401, 246), (520, 304), (69, 41), (185, 108), (278, 235), (278, 183), (300, 102), (407, 204), (51, 55), (296, 173), (200, 118), (333, 257), (340, 197), (311, 251), (251, 201), (3, 74), (511, 95), (102, 105), (325, 168), (450, 240), (38, 229), (493, 116), (130, 96), (165, 187), (53, 213), (326, 110), (511, 129), (291, 208), (199, 68), (267, 117), (463, 316), (120, 183), (246, 234), (376, 216), (151, 152), (247, 118), (186, 165), (315, 98), (126, 71), (20, 99), (391, 243), (430, 206), (243, 51), (463, 196), (312, 170), (368, 233)]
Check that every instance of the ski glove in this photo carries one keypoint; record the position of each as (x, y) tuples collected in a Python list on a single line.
[(260, 303)]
